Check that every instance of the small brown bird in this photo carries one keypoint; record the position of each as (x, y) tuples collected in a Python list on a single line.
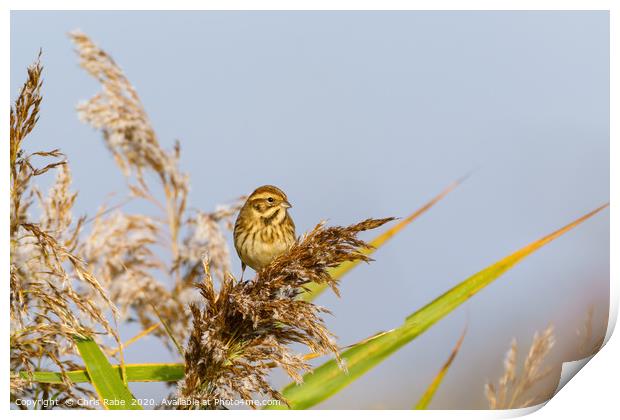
[(263, 229)]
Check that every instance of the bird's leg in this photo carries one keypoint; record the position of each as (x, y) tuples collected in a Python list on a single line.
[(242, 270)]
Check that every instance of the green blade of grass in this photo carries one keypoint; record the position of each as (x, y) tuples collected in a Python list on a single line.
[(112, 392), (328, 379), (141, 372), (168, 331), (315, 289), (432, 388)]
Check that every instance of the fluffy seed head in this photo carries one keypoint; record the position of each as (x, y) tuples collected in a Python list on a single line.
[(245, 329)]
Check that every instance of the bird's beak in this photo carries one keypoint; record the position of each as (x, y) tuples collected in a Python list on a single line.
[(286, 204)]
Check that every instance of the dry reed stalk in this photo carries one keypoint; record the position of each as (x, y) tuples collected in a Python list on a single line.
[(246, 327), (514, 386)]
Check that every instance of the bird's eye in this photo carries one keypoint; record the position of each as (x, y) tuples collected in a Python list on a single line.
[(270, 199)]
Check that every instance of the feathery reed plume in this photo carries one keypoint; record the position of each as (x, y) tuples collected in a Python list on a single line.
[(56, 210), (118, 112), (119, 250), (50, 285), (513, 386), (245, 328), (120, 246), (24, 117)]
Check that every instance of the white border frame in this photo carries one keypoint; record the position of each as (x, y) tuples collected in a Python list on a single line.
[(593, 394)]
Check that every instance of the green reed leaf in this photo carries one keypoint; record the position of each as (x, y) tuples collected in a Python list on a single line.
[(168, 331), (140, 372), (112, 392), (432, 388)]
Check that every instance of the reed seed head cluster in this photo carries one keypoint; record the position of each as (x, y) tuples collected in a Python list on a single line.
[(515, 386), (122, 246), (245, 328)]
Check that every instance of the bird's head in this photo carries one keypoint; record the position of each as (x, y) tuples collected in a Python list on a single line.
[(269, 203)]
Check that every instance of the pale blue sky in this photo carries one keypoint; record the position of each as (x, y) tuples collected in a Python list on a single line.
[(370, 114)]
